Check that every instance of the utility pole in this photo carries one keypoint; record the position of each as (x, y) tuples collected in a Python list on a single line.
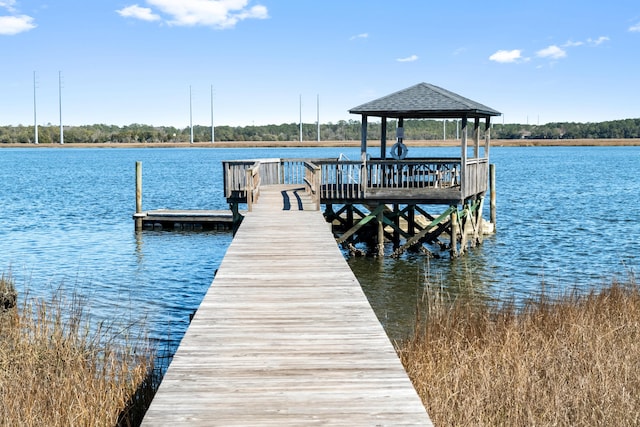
[(213, 130), (318, 111), (35, 116), (300, 117), (190, 117), (60, 106)]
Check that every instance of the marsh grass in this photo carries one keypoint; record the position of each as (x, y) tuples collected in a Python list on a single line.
[(567, 360), (58, 370)]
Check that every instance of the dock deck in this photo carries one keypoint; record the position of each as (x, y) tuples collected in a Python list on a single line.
[(285, 336), (185, 220)]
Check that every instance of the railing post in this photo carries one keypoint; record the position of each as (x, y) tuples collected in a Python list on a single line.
[(249, 188)]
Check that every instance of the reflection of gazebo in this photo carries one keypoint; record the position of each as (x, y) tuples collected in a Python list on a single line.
[(392, 193)]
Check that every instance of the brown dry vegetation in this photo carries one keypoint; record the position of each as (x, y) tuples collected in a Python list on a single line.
[(571, 361), (55, 371)]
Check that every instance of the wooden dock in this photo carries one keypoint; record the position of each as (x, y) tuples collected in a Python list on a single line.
[(285, 335), (185, 220)]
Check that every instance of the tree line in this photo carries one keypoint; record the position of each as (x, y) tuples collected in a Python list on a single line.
[(341, 131)]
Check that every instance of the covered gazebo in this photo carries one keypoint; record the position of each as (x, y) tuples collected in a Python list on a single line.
[(456, 182)]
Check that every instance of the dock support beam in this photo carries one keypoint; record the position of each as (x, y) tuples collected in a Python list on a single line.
[(138, 216), (455, 230), (380, 218)]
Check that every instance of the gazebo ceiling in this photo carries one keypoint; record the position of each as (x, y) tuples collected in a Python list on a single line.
[(424, 101)]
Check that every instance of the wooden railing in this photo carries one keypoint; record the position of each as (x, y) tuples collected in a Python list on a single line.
[(351, 180), (335, 179), (243, 178), (312, 182), (253, 182), (476, 177)]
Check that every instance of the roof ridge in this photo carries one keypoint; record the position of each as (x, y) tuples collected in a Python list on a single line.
[(424, 100)]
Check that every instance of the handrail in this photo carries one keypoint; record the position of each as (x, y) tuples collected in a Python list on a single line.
[(312, 182), (336, 179), (253, 185)]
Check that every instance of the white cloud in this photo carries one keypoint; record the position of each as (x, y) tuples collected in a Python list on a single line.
[(8, 4), (219, 14), (360, 36), (553, 52), (408, 58), (506, 56), (135, 11), (635, 28), (598, 41), (572, 44), (14, 24), (11, 25)]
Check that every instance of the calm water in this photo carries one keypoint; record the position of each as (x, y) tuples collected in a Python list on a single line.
[(567, 217)]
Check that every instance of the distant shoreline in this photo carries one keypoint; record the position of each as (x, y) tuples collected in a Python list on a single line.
[(371, 143)]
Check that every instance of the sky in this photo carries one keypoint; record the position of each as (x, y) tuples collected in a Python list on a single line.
[(165, 62)]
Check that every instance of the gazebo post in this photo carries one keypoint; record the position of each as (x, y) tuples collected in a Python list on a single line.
[(463, 156), (363, 139), (487, 137), (383, 139), (363, 156), (476, 138)]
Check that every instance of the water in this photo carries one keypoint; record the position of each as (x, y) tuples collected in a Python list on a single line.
[(566, 218)]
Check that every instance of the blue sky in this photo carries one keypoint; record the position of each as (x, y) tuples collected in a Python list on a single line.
[(133, 61)]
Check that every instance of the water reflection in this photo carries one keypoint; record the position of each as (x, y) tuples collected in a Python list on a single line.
[(396, 288)]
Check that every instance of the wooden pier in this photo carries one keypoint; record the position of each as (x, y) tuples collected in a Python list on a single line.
[(285, 335), (370, 197), (185, 220)]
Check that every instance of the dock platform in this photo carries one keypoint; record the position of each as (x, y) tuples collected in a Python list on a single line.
[(285, 336), (185, 220)]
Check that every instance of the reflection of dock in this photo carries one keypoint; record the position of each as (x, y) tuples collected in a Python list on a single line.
[(285, 335), (185, 220)]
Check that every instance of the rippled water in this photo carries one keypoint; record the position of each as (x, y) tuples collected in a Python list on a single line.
[(566, 217)]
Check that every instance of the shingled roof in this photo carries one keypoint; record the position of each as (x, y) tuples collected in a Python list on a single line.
[(424, 101)]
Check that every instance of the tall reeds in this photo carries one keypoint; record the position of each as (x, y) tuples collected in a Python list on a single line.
[(571, 360), (58, 370)]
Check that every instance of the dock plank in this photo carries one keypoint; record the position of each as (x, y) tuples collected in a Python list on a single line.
[(285, 336)]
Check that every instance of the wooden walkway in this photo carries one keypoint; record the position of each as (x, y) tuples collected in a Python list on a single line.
[(285, 336)]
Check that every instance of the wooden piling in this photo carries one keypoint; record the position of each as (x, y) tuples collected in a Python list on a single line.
[(380, 219), (455, 229), (138, 216), (492, 190)]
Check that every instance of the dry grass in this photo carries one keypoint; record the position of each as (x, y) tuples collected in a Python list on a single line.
[(571, 361), (57, 371)]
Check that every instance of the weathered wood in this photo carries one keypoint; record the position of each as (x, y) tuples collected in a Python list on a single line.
[(285, 337), (187, 219), (138, 220), (360, 224), (455, 230)]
